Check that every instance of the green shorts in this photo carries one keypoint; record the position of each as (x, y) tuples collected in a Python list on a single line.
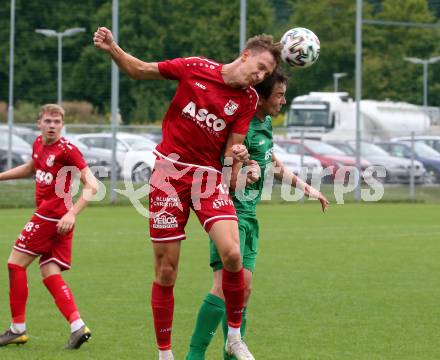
[(249, 238)]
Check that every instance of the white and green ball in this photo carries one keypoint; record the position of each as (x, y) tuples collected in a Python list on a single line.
[(301, 47)]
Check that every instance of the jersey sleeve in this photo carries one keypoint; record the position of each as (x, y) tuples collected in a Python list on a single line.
[(173, 69), (241, 125), (74, 157)]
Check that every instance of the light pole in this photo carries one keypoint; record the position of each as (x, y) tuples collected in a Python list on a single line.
[(60, 35), (11, 86), (243, 11), (425, 63), (336, 77)]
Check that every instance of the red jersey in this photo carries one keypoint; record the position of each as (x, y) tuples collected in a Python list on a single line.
[(48, 161), (203, 112)]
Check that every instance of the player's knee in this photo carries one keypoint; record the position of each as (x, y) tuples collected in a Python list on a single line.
[(166, 275), (49, 269), (232, 259)]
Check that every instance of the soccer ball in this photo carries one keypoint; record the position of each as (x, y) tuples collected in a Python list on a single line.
[(300, 47)]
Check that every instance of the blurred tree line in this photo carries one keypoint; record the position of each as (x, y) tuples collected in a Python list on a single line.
[(157, 30)]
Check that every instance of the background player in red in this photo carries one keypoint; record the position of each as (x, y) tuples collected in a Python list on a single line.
[(208, 117), (48, 234)]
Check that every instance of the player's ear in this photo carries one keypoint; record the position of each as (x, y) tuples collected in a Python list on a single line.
[(245, 54)]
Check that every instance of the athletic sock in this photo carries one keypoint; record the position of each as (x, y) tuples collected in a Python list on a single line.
[(162, 303), (62, 296), (18, 293), (233, 290), (226, 328), (76, 325), (209, 317), (243, 324), (18, 328)]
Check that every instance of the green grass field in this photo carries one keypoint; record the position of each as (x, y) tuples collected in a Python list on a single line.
[(360, 282)]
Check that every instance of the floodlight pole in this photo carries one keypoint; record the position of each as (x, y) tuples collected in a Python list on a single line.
[(425, 63), (11, 85), (60, 35), (114, 101), (336, 77), (242, 24), (358, 90), (60, 67)]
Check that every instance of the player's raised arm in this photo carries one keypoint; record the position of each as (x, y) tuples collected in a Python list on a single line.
[(19, 172), (288, 176), (89, 190), (132, 66)]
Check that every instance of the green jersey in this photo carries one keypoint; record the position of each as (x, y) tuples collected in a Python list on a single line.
[(259, 142)]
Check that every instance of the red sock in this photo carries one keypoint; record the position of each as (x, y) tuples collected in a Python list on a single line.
[(62, 296), (233, 290), (18, 292), (162, 303)]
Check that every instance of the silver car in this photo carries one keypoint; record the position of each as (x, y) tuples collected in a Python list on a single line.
[(398, 170)]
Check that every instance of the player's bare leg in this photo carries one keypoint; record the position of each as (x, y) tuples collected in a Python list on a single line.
[(224, 233), (166, 261), (18, 293), (63, 298)]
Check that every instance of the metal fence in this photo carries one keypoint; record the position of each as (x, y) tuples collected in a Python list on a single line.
[(411, 164)]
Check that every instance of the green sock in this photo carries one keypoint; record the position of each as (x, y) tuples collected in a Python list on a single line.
[(208, 319), (242, 331)]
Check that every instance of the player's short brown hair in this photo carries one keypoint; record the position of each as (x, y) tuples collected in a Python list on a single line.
[(265, 88), (51, 108), (265, 42)]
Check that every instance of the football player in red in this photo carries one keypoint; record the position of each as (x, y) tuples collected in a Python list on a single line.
[(48, 234), (208, 117)]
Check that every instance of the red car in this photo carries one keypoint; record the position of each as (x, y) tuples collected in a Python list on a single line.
[(329, 156)]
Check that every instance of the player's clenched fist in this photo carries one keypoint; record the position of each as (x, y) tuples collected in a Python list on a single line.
[(103, 38), (253, 173), (240, 152)]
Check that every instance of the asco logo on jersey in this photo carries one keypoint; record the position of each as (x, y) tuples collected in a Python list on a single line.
[(204, 117)]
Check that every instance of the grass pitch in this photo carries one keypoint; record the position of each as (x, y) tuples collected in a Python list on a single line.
[(360, 282)]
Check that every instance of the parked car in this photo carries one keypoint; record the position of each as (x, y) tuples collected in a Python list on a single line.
[(95, 158), (329, 156), (397, 169), (17, 159), (293, 162), (344, 146), (429, 157), (430, 140), (134, 152), (25, 133), (21, 150)]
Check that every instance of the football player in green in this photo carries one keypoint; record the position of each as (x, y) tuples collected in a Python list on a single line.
[(259, 142)]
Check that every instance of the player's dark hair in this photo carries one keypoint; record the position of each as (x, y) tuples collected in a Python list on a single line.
[(264, 42), (265, 88)]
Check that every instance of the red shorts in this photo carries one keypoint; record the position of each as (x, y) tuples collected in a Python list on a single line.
[(40, 238), (174, 189)]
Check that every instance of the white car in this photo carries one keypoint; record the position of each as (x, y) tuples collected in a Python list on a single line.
[(293, 162), (134, 153)]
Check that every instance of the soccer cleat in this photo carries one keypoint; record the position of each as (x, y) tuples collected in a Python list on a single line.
[(166, 355), (235, 346), (9, 337), (78, 337)]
